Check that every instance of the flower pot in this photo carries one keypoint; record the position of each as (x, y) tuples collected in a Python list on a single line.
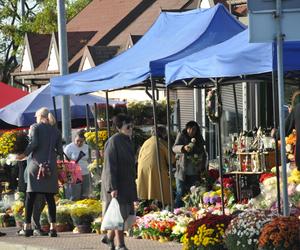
[(84, 229), (45, 228), (63, 227)]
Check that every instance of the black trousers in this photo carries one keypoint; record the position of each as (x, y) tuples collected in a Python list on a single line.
[(29, 203)]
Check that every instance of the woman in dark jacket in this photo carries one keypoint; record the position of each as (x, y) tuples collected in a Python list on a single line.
[(45, 143), (190, 159), (118, 176)]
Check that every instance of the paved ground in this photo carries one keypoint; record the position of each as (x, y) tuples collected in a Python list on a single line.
[(72, 241)]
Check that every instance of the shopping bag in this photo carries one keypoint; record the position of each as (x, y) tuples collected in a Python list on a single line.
[(113, 219)]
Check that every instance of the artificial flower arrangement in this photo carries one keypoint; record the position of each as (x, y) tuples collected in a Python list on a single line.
[(244, 230), (68, 172), (90, 138), (280, 233), (206, 233)]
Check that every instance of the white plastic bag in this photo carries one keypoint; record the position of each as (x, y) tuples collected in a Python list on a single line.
[(113, 219)]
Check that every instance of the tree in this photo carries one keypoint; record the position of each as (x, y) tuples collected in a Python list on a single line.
[(40, 16)]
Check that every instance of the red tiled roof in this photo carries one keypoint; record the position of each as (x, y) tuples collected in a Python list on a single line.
[(39, 47)]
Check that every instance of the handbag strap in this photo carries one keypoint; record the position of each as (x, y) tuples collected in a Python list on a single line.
[(50, 149)]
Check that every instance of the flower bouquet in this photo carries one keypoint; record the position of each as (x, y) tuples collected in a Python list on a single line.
[(280, 233), (244, 230), (206, 233)]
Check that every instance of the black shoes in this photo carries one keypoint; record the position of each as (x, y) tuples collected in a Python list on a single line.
[(2, 234), (39, 232), (108, 242), (28, 232), (53, 233)]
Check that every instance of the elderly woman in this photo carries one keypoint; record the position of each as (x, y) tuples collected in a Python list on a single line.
[(118, 176), (190, 159), (43, 147), (148, 186)]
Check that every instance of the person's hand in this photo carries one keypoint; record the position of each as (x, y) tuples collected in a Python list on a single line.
[(20, 157), (187, 148), (114, 193)]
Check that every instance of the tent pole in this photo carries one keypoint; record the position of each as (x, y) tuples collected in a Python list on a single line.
[(237, 122), (96, 134), (275, 119), (169, 147), (157, 143), (280, 83), (107, 114), (87, 116), (220, 152), (54, 107)]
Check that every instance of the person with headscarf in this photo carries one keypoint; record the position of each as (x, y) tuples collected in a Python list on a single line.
[(148, 181)]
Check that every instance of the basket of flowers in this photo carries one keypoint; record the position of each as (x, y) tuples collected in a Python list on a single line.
[(244, 230), (280, 233), (63, 219), (206, 233), (83, 214)]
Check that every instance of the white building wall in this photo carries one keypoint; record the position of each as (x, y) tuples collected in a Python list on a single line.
[(53, 62), (26, 65)]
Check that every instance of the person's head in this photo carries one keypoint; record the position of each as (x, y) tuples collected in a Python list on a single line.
[(124, 124), (161, 132), (295, 99), (79, 138), (43, 115), (192, 129)]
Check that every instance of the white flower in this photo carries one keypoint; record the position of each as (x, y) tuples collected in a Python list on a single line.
[(249, 241), (238, 243)]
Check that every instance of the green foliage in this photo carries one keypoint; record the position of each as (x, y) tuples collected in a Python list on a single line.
[(39, 17), (142, 112)]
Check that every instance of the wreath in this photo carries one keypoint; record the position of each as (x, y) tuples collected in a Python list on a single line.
[(213, 99)]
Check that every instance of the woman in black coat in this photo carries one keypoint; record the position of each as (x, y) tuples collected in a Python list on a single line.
[(118, 176), (45, 143)]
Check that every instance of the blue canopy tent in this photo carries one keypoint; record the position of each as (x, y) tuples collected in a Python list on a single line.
[(21, 112), (234, 57), (172, 36)]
